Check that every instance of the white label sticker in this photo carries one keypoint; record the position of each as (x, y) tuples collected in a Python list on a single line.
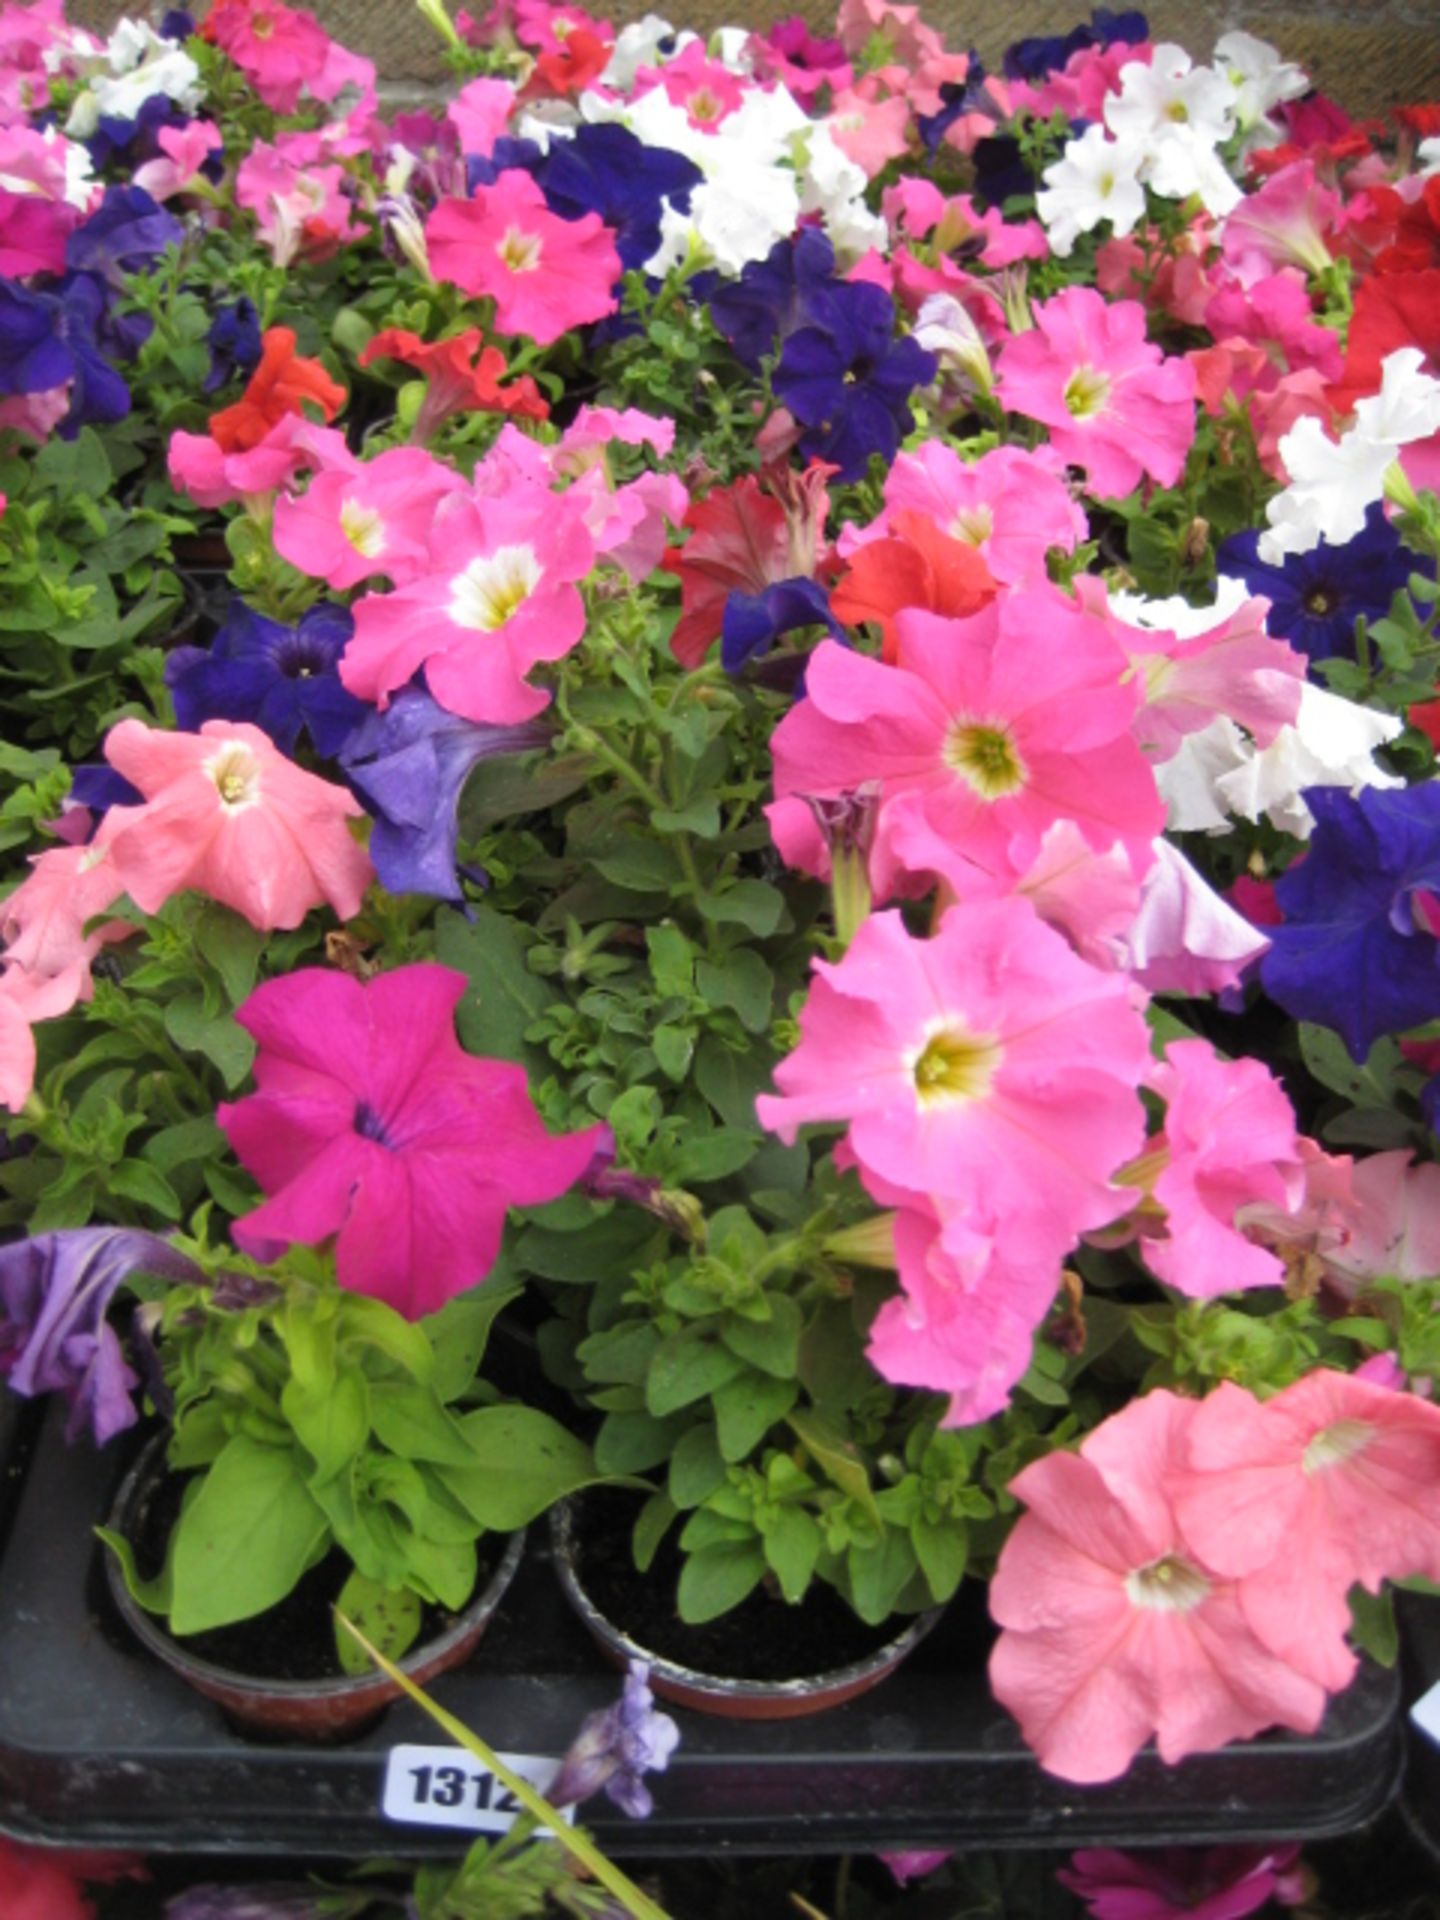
[(1426, 1713), (447, 1787)]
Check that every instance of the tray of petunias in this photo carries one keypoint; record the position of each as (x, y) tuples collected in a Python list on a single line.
[(791, 895)]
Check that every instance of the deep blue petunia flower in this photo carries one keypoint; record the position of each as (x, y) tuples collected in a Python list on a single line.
[(47, 339), (1034, 58), (1316, 597), (481, 170), (1353, 952), (605, 169), (284, 680), (1000, 170), (134, 139), (96, 785), (847, 379), (753, 622), (771, 297), (127, 232), (957, 98), (177, 24), (234, 343), (409, 766)]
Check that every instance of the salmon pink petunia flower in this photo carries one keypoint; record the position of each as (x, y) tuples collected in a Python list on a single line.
[(226, 813), (372, 1123), (545, 275), (496, 597), (1114, 1626), (1114, 404), (987, 1066), (1335, 1480), (1000, 724), (375, 519)]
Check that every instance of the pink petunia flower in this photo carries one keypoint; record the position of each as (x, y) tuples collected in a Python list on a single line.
[(183, 152), (1115, 405), (986, 1066), (1010, 505), (1229, 1142), (914, 1863), (1284, 223), (226, 813), (1184, 1883), (201, 468), (1114, 1626), (373, 1124), (1334, 1480), (870, 131), (374, 519), (497, 596), (545, 275), (1183, 936), (44, 192), (281, 50), (302, 211), (1000, 723), (480, 113)]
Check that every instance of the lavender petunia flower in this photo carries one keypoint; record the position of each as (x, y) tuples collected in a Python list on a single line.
[(284, 680), (616, 1747), (409, 766), (54, 1337), (283, 1901)]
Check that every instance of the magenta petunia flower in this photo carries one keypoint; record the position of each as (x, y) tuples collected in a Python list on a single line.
[(545, 275), (372, 1123), (1184, 1883), (1115, 405), (1114, 1626), (374, 519), (999, 724), (988, 1066), (497, 596), (1334, 1480)]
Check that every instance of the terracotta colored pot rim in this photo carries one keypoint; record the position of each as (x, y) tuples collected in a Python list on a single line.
[(720, 1693), (233, 1685)]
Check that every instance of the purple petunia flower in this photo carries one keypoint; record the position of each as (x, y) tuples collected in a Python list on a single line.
[(605, 169), (234, 343), (285, 680), (847, 379), (283, 1901), (760, 310), (54, 1337), (1356, 951), (49, 339), (127, 232), (616, 1748), (409, 766), (1316, 597)]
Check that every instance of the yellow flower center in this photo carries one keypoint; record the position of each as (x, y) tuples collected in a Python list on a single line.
[(363, 527), (1086, 392), (520, 251), (955, 1065), (493, 587), (986, 758), (1336, 1444), (1171, 1584), (236, 774), (703, 105), (973, 524)]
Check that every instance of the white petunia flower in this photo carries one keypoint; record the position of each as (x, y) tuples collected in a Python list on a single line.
[(1169, 93), (1261, 79), (1095, 179), (943, 327), (639, 45), (834, 187)]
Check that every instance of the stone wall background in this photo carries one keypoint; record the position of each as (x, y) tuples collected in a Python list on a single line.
[(1366, 53)]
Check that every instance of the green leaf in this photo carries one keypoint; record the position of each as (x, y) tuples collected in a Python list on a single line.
[(525, 1462), (390, 1616), (1372, 1084), (641, 864), (153, 1595), (633, 1442), (836, 1458), (460, 1332), (717, 1579), (731, 1079), (674, 1048), (513, 784), (700, 816), (184, 1143), (747, 1409), (792, 1545), (686, 1367), (712, 1156), (505, 997), (771, 1344), (216, 1035), (146, 1186), (611, 1243), (231, 946), (752, 904), (411, 1421), (1372, 1624), (740, 980), (650, 1529), (245, 1538), (878, 1575), (331, 1420), (942, 1549), (370, 1323), (697, 1468), (672, 962)]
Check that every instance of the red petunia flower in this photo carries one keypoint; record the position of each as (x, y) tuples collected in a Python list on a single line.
[(461, 376), (281, 384)]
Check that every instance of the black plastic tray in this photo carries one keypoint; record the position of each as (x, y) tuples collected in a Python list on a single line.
[(100, 1747)]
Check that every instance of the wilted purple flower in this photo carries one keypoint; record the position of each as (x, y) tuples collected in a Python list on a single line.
[(54, 1337), (409, 765), (287, 1901), (616, 1747)]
